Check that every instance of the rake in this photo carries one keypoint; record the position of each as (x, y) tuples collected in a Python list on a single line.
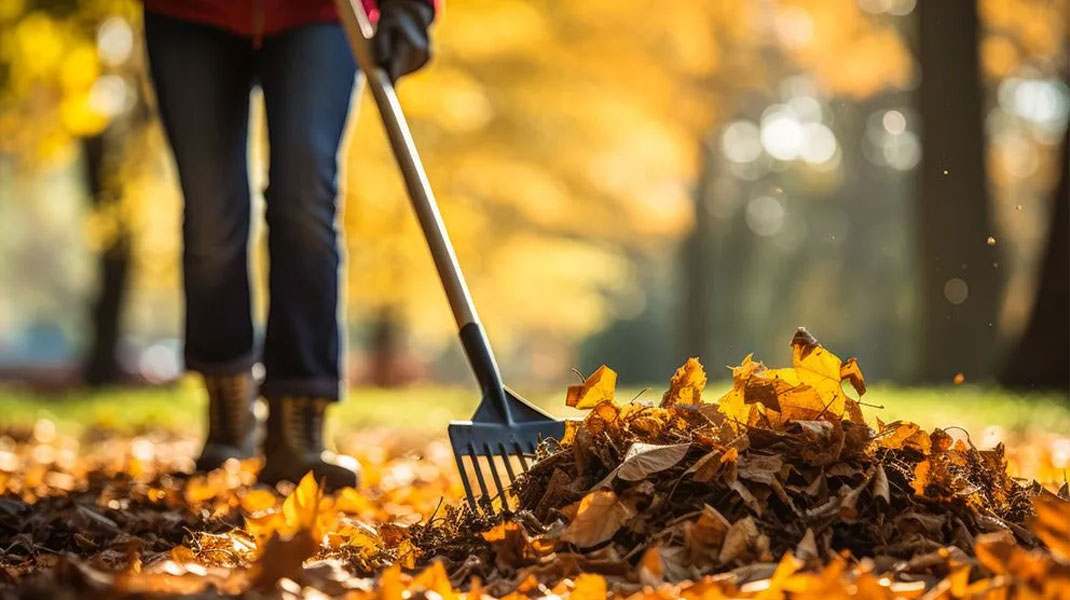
[(505, 429)]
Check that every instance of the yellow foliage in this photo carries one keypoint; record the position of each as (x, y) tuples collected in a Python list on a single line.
[(811, 389), (599, 387), (686, 384)]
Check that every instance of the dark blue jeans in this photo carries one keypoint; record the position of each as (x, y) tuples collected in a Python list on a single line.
[(203, 77)]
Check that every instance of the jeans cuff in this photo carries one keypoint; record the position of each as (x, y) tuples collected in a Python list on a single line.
[(311, 387), (232, 366)]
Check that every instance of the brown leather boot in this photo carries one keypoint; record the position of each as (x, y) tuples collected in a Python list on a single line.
[(294, 445), (232, 423)]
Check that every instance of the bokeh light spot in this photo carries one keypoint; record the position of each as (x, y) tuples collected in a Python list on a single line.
[(956, 290)]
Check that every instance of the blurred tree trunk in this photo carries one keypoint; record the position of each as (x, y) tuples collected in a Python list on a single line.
[(1042, 356), (695, 320), (959, 333), (101, 363), (387, 369)]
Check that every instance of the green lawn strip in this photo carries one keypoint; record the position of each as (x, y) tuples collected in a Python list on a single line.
[(427, 408)]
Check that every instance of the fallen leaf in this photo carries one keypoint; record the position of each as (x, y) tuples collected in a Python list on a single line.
[(686, 385), (643, 460), (597, 518), (739, 538), (598, 387)]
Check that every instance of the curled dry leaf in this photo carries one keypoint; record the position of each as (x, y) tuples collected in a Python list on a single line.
[(686, 385)]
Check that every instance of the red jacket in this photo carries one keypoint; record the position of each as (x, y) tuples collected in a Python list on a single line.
[(255, 18)]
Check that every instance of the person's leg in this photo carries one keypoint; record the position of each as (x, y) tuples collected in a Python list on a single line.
[(307, 75), (202, 78)]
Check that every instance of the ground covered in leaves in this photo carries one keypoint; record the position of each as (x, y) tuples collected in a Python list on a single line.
[(782, 487)]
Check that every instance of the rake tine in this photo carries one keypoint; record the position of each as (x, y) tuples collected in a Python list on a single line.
[(479, 476), (494, 475), (508, 463), (464, 480), (520, 456)]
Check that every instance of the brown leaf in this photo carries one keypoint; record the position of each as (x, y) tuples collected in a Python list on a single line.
[(643, 460), (597, 518), (880, 485), (849, 502), (705, 535), (283, 558), (703, 469), (806, 549), (740, 537), (748, 498)]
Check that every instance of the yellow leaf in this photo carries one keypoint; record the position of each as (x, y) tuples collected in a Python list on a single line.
[(598, 387), (302, 506), (820, 369), (265, 525), (686, 384), (351, 502)]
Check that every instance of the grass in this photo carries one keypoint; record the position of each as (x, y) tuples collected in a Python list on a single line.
[(428, 408)]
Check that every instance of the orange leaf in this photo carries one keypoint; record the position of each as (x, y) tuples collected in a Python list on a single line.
[(1052, 523), (921, 477), (258, 500), (651, 567), (434, 579), (589, 586)]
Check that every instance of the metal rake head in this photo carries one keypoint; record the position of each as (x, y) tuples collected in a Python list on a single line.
[(496, 446)]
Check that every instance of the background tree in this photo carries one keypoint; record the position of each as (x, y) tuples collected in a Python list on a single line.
[(960, 282), (1041, 358)]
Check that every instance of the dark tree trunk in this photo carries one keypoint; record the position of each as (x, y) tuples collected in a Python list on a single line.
[(959, 332), (1042, 356), (101, 366), (695, 320), (387, 368)]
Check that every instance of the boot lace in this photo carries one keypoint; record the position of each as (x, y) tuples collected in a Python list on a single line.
[(215, 408), (235, 405), (302, 424), (228, 407)]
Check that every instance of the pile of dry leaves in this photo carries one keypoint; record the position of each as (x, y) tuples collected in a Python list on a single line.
[(780, 474), (779, 488)]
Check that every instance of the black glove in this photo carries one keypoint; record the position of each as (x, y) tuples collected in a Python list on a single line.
[(401, 42)]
